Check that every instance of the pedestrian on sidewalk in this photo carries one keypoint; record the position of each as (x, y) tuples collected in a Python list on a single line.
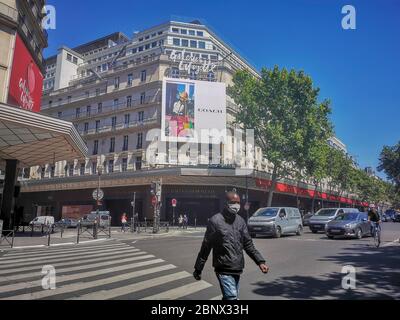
[(185, 221), (227, 235), (180, 221), (124, 222)]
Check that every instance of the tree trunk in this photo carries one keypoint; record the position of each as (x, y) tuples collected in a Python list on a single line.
[(272, 189)]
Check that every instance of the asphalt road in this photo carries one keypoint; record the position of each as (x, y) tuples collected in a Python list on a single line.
[(302, 267)]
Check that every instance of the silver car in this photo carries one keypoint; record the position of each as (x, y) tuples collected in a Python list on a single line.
[(276, 222), (352, 225), (319, 221)]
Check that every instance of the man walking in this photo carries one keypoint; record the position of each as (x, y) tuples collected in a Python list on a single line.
[(228, 236)]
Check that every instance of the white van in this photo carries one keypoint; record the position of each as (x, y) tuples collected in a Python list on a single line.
[(276, 222), (42, 220)]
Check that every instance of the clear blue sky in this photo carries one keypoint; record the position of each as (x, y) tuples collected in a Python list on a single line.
[(359, 70)]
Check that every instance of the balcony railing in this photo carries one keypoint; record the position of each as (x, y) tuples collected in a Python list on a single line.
[(120, 126), (81, 97), (112, 108)]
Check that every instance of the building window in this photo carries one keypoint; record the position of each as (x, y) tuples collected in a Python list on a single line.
[(126, 142), (185, 43), (127, 119), (211, 76), (75, 60), (193, 75), (200, 33), (124, 166), (71, 170), (88, 110), (143, 98), (95, 147), (82, 169), (66, 171), (129, 101), (110, 166), (113, 123), (130, 79), (175, 73), (143, 76), (175, 30), (202, 45), (193, 43), (192, 32), (87, 93), (52, 171), (112, 145), (183, 31), (78, 112), (97, 92), (86, 128), (116, 83), (154, 44), (97, 127), (69, 57), (69, 99), (94, 167), (138, 163), (42, 172), (141, 116), (147, 46), (139, 144), (176, 41), (100, 108)]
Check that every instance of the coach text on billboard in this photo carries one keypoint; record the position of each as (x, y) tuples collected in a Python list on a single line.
[(193, 111)]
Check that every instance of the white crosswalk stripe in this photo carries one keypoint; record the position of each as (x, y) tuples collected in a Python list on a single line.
[(102, 271)]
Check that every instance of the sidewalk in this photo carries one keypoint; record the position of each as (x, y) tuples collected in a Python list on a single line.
[(70, 237)]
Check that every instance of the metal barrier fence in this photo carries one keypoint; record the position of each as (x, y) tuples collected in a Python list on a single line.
[(5, 235), (93, 230)]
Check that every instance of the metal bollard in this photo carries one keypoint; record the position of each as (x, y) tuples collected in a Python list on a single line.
[(48, 236), (77, 238), (95, 230), (195, 223)]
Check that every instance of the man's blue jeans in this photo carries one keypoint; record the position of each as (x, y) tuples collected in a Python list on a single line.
[(229, 286)]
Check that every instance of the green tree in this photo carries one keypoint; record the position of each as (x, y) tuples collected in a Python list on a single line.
[(288, 120), (389, 162)]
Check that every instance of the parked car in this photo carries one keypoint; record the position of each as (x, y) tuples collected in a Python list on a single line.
[(306, 219), (103, 217), (319, 221), (275, 222), (349, 225), (67, 223), (42, 220), (389, 215), (396, 217)]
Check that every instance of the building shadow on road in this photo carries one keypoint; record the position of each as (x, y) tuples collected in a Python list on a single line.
[(377, 277)]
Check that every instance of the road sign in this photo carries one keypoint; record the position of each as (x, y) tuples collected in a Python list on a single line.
[(174, 202), (247, 206), (98, 194), (154, 201)]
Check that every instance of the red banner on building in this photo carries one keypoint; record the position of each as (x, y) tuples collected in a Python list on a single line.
[(26, 80)]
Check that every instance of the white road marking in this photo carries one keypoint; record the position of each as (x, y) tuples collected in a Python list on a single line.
[(179, 292), (135, 287), (88, 285)]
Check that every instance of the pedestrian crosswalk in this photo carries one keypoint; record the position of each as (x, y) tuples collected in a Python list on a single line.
[(100, 271)]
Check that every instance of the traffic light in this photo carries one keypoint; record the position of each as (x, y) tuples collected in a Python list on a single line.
[(155, 189)]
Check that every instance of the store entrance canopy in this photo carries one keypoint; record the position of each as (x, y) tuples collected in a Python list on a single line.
[(35, 139)]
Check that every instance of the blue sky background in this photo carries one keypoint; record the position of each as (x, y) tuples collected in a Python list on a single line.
[(359, 70)]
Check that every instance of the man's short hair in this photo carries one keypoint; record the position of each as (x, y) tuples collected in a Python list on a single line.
[(232, 196)]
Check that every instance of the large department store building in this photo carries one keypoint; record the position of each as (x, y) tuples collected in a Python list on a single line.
[(116, 90)]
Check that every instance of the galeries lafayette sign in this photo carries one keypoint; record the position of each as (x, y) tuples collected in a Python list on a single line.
[(189, 62), (26, 80)]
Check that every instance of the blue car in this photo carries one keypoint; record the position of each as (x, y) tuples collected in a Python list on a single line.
[(389, 215)]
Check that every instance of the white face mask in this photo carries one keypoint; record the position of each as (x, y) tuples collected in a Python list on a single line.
[(234, 208)]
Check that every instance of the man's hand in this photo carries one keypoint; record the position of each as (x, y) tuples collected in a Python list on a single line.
[(264, 268), (197, 275)]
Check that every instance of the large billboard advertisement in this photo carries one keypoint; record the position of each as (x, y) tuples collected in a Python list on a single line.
[(191, 108), (26, 79)]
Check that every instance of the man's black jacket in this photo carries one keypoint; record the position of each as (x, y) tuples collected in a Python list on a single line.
[(228, 236)]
